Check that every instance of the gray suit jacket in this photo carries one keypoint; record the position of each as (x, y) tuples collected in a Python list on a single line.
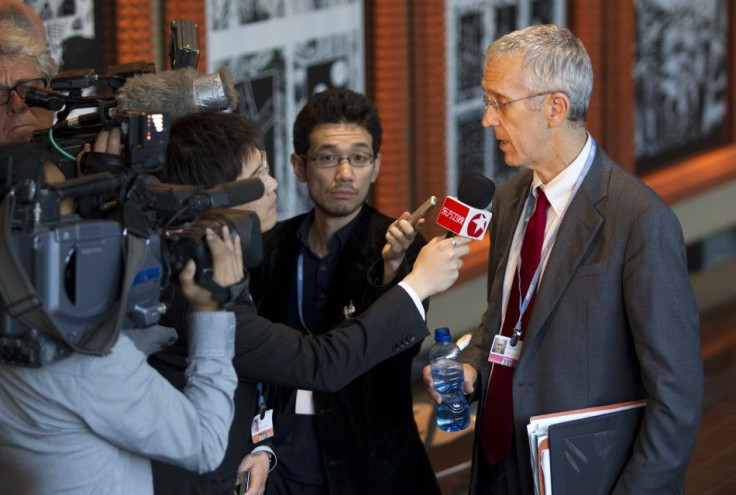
[(614, 320)]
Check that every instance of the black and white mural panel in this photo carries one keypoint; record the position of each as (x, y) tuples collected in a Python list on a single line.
[(682, 79), (70, 31)]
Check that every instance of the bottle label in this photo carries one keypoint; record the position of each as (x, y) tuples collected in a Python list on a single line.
[(503, 353)]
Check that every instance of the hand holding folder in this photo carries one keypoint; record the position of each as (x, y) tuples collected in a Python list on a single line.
[(584, 450)]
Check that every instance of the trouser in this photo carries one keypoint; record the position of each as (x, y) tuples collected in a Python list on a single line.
[(501, 478)]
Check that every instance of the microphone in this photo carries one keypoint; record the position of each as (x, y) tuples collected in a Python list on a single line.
[(175, 92), (227, 195), (179, 92), (476, 190), (467, 215)]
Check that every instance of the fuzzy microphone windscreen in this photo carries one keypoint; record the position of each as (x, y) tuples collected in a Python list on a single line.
[(168, 91), (228, 85), (178, 92)]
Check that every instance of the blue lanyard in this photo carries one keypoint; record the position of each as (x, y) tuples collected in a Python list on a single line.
[(300, 289), (261, 400), (524, 304)]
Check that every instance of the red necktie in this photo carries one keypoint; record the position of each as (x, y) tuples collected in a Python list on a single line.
[(497, 421)]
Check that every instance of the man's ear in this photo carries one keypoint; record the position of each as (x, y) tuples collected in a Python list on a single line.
[(558, 108), (299, 164), (376, 168)]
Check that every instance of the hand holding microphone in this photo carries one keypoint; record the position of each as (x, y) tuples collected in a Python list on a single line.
[(437, 266), (439, 262)]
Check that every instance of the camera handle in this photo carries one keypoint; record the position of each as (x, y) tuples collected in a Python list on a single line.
[(226, 296)]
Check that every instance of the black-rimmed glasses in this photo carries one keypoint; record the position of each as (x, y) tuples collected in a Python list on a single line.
[(21, 87), (331, 160)]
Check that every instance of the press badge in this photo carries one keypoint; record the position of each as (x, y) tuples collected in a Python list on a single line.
[(262, 426), (503, 353), (304, 402)]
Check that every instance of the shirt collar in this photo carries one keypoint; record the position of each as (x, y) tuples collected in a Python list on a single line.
[(303, 233), (559, 189), (338, 240)]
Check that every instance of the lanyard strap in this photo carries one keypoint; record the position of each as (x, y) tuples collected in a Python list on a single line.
[(300, 289), (261, 400), (524, 304)]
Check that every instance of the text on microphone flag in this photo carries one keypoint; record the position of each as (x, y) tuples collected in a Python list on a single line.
[(452, 215), (462, 219)]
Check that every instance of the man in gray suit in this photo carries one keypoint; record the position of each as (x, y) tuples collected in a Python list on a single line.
[(587, 280)]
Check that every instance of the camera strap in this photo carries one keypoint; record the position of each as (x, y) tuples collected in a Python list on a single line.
[(19, 296), (23, 302), (226, 296)]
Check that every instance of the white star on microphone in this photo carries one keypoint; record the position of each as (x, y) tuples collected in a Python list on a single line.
[(480, 223)]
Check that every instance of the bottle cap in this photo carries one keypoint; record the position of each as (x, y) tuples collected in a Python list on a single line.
[(442, 334)]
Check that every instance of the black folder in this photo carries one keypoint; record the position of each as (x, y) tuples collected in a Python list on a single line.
[(588, 455)]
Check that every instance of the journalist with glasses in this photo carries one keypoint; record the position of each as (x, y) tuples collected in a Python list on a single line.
[(319, 269)]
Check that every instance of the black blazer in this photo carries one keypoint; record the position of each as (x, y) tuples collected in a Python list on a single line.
[(369, 439), (280, 355)]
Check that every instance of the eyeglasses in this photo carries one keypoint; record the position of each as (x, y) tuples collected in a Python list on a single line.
[(263, 169), (490, 101), (331, 160), (21, 88)]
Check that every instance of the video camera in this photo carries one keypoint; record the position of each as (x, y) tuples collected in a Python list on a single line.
[(70, 283)]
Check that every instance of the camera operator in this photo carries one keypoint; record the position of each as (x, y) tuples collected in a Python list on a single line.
[(90, 424), (25, 63), (208, 149)]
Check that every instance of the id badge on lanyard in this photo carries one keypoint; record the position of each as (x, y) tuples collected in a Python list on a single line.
[(261, 427), (503, 353)]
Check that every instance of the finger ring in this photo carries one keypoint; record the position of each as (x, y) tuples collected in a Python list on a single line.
[(453, 242)]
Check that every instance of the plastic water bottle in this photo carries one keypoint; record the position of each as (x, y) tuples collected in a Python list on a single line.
[(447, 372)]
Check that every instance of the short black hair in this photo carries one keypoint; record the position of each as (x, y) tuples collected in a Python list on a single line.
[(336, 106), (208, 148)]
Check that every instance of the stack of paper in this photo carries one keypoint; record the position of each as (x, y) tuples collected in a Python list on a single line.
[(582, 447)]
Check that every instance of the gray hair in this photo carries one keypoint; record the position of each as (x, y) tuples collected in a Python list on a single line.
[(23, 16), (17, 43), (554, 60)]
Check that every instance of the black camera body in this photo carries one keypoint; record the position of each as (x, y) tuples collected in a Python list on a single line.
[(70, 283), (56, 261)]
